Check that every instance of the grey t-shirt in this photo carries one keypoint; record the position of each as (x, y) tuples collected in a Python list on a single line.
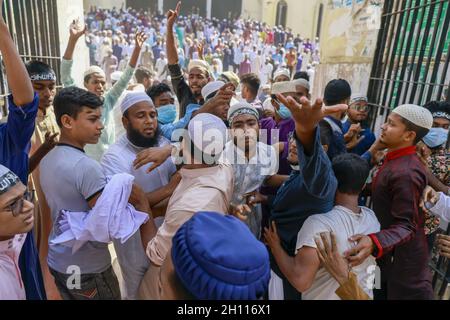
[(69, 178)]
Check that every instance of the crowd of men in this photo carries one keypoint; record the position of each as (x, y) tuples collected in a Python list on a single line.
[(241, 46), (211, 188)]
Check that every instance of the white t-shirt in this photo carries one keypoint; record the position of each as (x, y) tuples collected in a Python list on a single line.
[(344, 223)]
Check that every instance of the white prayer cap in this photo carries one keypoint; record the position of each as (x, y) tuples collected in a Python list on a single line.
[(200, 64), (132, 98), (267, 105), (208, 133), (302, 82), (357, 97), (116, 75), (211, 88), (419, 116), (94, 69), (241, 108), (283, 87), (282, 72)]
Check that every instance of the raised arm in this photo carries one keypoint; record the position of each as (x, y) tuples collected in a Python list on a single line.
[(76, 32), (307, 117), (172, 54), (140, 39), (18, 80)]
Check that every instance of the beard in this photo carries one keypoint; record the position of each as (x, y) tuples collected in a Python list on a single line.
[(139, 140)]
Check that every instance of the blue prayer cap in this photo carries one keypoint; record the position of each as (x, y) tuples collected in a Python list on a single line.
[(216, 257)]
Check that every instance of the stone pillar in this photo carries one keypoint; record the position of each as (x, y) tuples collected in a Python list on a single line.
[(161, 6), (208, 8)]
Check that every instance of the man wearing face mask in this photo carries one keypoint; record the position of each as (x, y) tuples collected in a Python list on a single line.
[(438, 161), (164, 101)]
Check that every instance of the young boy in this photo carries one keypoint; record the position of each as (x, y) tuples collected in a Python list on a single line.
[(16, 219), (400, 247), (72, 181)]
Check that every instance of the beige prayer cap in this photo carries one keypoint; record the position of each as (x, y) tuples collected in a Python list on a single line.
[(199, 64), (282, 72), (302, 83), (283, 87), (417, 115), (94, 69)]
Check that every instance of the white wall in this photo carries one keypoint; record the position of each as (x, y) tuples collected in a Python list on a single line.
[(106, 4), (68, 10)]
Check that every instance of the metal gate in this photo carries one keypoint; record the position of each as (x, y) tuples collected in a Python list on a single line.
[(411, 65), (33, 25)]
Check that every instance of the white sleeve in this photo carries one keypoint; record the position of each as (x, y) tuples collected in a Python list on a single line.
[(312, 226), (442, 207)]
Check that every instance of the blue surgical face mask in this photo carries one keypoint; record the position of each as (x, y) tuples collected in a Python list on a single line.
[(167, 114), (284, 112), (436, 137)]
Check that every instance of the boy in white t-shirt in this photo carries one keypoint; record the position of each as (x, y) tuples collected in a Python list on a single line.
[(304, 271)]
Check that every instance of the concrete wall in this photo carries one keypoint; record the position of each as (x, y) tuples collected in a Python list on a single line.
[(301, 15), (68, 10), (106, 4), (348, 43)]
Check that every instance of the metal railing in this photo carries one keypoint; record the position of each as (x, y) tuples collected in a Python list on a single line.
[(34, 27)]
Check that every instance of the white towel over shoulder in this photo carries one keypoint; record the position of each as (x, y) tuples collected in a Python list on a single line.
[(111, 218)]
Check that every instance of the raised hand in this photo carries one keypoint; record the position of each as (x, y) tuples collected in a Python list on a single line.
[(172, 15), (354, 130), (308, 115), (77, 29), (50, 141), (354, 141), (140, 39)]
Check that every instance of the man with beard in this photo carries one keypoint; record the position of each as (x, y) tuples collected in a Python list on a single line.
[(198, 70), (140, 120)]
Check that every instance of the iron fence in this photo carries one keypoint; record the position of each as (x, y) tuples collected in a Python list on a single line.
[(34, 27)]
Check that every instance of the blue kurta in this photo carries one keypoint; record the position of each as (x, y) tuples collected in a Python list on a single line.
[(308, 191), (15, 136)]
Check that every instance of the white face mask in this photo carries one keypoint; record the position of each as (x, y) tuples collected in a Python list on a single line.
[(295, 167)]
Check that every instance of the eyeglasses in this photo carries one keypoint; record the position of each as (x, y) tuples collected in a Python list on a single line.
[(17, 206), (360, 107)]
